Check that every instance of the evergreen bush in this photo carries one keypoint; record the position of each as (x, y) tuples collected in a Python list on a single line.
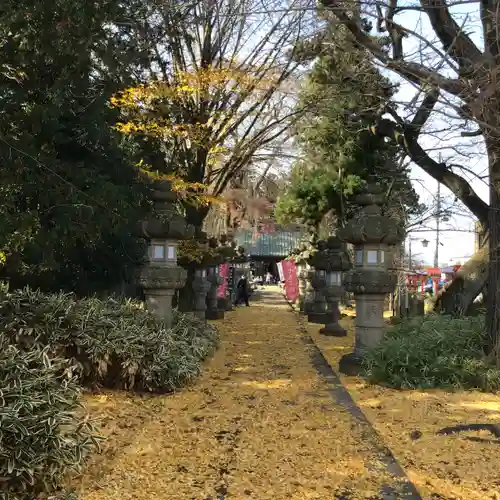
[(433, 351), (44, 434), (111, 343)]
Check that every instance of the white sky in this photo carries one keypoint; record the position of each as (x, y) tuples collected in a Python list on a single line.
[(456, 244)]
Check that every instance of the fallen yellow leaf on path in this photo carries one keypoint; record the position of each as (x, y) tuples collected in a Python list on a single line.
[(460, 467), (260, 424)]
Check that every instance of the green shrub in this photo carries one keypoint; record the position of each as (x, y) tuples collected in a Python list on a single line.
[(43, 432), (111, 343), (433, 351)]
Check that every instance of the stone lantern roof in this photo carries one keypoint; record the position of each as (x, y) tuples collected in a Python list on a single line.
[(330, 256), (369, 225), (165, 223)]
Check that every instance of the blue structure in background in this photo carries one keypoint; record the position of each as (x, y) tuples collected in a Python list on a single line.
[(274, 245)]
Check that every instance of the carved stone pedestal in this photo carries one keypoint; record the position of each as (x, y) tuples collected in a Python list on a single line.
[(372, 235)]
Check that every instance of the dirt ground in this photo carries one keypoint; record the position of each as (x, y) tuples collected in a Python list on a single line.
[(258, 424), (463, 466)]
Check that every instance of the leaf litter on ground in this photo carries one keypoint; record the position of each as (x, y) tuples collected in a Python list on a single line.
[(461, 466), (258, 424)]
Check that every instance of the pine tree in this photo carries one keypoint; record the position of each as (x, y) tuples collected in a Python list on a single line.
[(342, 92)]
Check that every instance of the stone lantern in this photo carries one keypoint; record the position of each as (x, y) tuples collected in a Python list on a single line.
[(317, 312), (373, 236), (308, 275), (160, 276), (302, 279), (302, 269), (334, 262), (201, 285), (213, 311)]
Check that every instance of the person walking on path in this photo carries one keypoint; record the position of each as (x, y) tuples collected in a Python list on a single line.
[(242, 291)]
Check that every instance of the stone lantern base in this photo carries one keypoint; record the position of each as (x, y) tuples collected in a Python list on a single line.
[(214, 314), (333, 330), (159, 284), (200, 287), (159, 302), (351, 364), (224, 304), (320, 318)]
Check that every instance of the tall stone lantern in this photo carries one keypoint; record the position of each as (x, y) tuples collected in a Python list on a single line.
[(302, 279), (335, 261), (213, 277), (201, 285), (373, 236), (317, 309), (302, 276), (160, 276)]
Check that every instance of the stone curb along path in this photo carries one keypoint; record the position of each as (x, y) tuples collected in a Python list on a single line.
[(405, 488), (260, 424)]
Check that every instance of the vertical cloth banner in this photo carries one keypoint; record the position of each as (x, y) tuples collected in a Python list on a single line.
[(231, 284), (224, 274), (291, 283), (280, 271)]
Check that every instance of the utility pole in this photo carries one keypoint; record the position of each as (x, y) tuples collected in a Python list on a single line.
[(409, 254), (438, 216)]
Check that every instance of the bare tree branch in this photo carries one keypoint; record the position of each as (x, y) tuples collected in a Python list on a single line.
[(439, 171)]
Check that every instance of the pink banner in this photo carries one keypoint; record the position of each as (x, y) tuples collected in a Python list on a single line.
[(291, 282), (223, 273)]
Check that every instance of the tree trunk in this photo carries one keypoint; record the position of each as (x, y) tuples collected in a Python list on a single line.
[(194, 216), (470, 280), (493, 296)]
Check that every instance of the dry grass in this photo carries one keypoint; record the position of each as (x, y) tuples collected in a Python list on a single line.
[(259, 424), (464, 466)]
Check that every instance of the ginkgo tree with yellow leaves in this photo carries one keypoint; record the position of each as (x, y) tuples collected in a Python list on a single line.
[(220, 101)]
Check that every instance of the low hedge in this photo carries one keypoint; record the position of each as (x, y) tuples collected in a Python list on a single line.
[(44, 435), (433, 351), (50, 345), (116, 344)]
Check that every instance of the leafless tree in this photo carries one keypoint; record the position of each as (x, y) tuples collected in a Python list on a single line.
[(246, 121)]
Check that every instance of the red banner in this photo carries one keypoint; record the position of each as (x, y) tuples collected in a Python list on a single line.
[(291, 282), (223, 273)]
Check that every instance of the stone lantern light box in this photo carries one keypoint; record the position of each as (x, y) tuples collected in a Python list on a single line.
[(201, 273), (334, 278), (162, 251), (369, 255)]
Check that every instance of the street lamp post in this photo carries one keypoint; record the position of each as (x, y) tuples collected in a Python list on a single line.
[(424, 242)]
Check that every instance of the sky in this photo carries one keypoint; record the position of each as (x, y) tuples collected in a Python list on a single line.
[(457, 237)]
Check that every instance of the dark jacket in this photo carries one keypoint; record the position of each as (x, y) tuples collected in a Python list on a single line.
[(242, 286)]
